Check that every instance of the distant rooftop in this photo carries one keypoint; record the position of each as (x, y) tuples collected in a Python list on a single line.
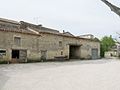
[(89, 36)]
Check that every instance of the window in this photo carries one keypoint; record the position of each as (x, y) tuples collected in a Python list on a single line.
[(2, 52), (17, 41), (60, 43)]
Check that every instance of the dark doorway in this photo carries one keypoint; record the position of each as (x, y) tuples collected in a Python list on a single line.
[(15, 54), (74, 52), (19, 55)]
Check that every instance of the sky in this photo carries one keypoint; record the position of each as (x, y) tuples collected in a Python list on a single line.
[(76, 16)]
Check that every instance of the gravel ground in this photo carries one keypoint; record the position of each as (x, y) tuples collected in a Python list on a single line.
[(72, 75)]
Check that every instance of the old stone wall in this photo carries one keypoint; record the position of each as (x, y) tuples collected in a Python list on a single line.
[(42, 45), (28, 42), (50, 43)]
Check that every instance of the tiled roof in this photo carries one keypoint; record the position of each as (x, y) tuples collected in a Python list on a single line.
[(10, 21), (67, 33), (27, 28), (24, 31), (61, 34), (38, 28)]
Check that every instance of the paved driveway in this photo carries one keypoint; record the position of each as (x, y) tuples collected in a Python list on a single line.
[(72, 75)]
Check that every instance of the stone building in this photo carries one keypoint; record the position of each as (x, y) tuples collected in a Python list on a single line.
[(24, 41)]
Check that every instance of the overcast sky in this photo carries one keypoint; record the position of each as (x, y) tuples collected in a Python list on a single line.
[(76, 16)]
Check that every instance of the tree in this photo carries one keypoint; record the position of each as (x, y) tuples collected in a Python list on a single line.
[(107, 43)]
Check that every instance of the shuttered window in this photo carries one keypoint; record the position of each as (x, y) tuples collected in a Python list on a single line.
[(17, 41)]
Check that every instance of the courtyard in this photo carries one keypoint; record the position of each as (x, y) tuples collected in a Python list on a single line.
[(101, 74)]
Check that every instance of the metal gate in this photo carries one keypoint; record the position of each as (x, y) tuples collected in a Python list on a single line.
[(94, 53)]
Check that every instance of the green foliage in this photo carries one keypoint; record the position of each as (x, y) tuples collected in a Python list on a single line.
[(106, 44), (3, 62)]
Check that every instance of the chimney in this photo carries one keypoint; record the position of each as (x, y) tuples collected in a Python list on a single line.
[(40, 25)]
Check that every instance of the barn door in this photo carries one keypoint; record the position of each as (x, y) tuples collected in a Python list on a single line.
[(43, 54), (23, 55)]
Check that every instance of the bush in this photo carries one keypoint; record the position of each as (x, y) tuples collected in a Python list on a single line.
[(3, 62)]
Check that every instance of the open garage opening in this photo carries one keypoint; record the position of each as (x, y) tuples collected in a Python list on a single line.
[(74, 52)]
